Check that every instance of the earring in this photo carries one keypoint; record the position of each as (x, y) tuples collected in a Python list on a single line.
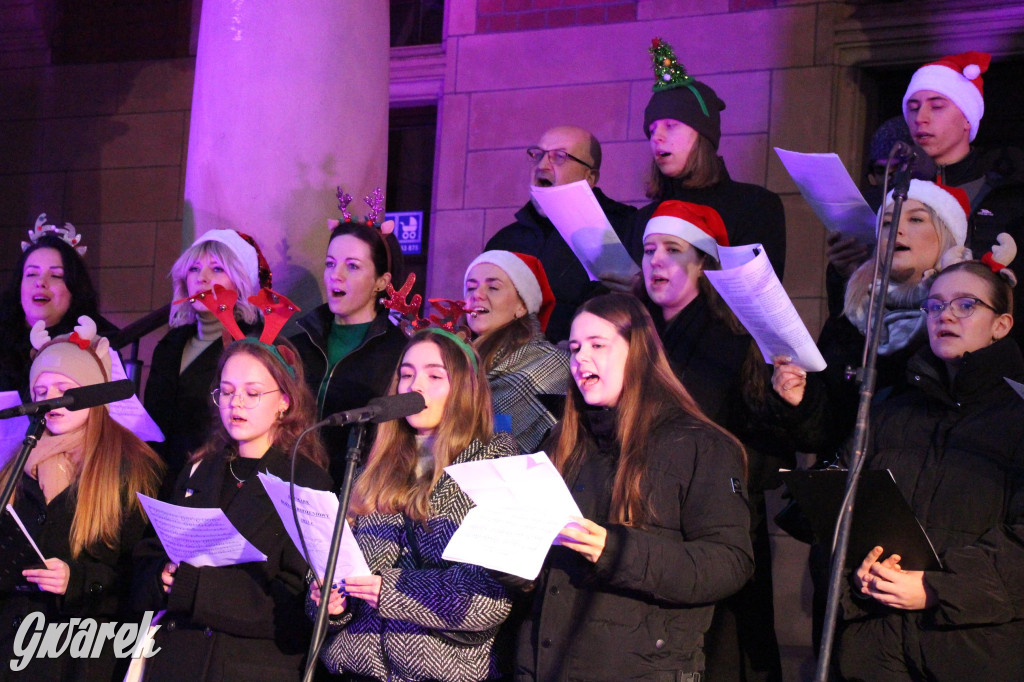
[(280, 415)]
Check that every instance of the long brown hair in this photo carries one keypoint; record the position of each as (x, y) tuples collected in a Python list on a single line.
[(652, 394), (115, 465), (389, 483), (300, 414), (704, 168)]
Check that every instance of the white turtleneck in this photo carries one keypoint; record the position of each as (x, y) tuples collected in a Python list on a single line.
[(208, 330)]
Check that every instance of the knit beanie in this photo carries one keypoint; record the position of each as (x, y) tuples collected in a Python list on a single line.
[(957, 77), (246, 252), (528, 277), (949, 203), (81, 356), (681, 97), (700, 226)]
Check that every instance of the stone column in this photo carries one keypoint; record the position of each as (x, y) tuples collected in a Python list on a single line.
[(290, 100)]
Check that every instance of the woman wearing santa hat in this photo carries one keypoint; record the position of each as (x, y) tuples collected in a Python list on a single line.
[(821, 408), (509, 303), (185, 360), (720, 365)]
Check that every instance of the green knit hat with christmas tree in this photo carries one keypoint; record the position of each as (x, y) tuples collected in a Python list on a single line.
[(680, 96)]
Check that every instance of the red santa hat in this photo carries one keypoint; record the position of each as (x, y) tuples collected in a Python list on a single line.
[(699, 225), (528, 277), (950, 204), (957, 77)]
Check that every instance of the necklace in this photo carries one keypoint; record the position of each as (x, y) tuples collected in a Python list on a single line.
[(231, 468)]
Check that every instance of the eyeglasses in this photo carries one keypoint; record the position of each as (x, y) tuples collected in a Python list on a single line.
[(961, 307), (247, 400), (558, 156)]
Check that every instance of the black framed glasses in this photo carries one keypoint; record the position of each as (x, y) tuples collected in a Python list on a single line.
[(960, 307), (558, 156), (246, 399)]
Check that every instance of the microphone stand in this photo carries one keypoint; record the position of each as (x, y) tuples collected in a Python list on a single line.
[(355, 447), (36, 426), (868, 376)]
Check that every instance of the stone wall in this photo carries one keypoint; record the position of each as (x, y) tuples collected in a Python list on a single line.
[(505, 89), (102, 146)]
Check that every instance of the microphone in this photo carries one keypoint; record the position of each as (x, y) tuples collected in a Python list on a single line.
[(903, 153), (382, 409), (76, 399)]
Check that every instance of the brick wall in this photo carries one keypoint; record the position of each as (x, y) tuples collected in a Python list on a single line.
[(519, 15), (101, 146)]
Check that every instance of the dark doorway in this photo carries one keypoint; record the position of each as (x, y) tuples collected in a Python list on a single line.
[(412, 134), (1003, 124)]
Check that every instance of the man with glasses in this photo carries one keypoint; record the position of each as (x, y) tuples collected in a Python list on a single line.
[(563, 154)]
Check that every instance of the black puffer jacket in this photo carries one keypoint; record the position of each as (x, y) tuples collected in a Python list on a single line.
[(641, 611), (957, 454), (534, 235), (358, 377), (994, 182)]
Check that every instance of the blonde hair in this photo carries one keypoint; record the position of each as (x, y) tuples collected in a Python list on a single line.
[(183, 314), (901, 294), (389, 483), (115, 465)]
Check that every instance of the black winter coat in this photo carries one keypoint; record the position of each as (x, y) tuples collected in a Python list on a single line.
[(360, 376), (752, 215), (641, 611), (957, 454), (534, 235), (825, 418), (242, 622), (98, 587), (180, 402), (994, 182)]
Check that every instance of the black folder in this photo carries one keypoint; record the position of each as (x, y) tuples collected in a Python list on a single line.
[(881, 516), (17, 552)]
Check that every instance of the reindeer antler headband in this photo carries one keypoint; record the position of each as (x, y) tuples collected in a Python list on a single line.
[(445, 323), (65, 232), (375, 201), (276, 309)]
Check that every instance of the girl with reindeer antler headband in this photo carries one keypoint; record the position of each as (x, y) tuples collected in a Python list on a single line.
[(50, 283), (348, 346), (185, 360), (419, 616), (243, 621), (77, 499)]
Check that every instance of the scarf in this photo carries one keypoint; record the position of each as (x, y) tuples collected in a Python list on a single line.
[(55, 462)]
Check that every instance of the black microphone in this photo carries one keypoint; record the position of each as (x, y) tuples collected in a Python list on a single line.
[(382, 409), (76, 399), (903, 153)]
